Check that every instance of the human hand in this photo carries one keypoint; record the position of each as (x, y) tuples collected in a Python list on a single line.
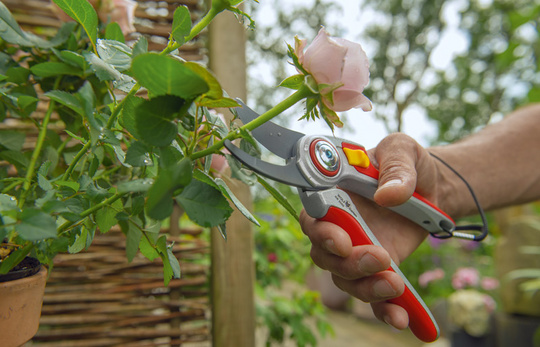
[(404, 167)]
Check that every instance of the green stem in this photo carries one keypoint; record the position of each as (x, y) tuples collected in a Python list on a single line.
[(197, 28), (75, 160), (297, 96), (119, 107), (89, 211), (110, 123), (37, 150)]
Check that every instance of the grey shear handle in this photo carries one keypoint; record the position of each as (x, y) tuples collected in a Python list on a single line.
[(415, 209)]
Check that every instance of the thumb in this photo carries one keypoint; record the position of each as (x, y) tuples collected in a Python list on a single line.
[(396, 156)]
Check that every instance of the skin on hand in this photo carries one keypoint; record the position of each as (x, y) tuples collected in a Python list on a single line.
[(361, 270), (404, 167)]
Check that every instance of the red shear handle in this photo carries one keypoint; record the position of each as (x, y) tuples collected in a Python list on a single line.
[(421, 322)]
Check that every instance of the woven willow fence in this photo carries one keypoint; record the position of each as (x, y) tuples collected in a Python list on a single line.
[(97, 298)]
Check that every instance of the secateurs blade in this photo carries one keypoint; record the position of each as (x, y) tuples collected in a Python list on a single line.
[(323, 169)]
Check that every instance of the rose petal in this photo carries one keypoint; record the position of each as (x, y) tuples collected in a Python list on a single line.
[(324, 59)]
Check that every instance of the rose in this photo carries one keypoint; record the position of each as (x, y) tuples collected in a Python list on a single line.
[(430, 276), (465, 277), (340, 67), (489, 283), (119, 11)]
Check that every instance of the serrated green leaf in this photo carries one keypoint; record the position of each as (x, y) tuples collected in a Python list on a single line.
[(83, 13), (166, 75), (27, 103), (148, 250), (181, 26), (16, 158), (170, 179), (153, 119), (115, 54), (103, 70), (44, 183), (67, 99), (217, 123), (220, 184), (10, 30), (12, 140), (162, 248), (80, 242), (138, 155), (73, 58), (173, 262), (106, 217), (36, 225), (133, 239), (8, 209), (278, 196), (140, 47), (114, 32), (215, 91), (135, 186), (293, 82), (229, 194), (52, 68), (17, 75), (204, 204), (127, 117), (70, 184), (218, 103)]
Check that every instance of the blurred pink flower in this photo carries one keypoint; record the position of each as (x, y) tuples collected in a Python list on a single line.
[(465, 277), (490, 303), (272, 257), (121, 12), (334, 61), (489, 283), (430, 276)]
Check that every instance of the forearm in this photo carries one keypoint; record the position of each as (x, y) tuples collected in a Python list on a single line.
[(501, 163)]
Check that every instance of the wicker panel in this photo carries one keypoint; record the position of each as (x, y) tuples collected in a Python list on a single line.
[(97, 298), (152, 19)]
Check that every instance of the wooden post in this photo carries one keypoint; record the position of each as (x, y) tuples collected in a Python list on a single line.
[(233, 271)]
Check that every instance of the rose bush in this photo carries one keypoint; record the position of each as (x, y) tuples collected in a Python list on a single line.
[(106, 155)]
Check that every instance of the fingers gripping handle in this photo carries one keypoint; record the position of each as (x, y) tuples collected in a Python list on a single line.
[(335, 206)]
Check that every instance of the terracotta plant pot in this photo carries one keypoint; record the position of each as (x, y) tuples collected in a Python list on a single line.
[(20, 307)]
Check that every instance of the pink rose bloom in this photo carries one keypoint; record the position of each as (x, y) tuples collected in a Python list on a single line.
[(465, 277), (489, 283), (490, 303), (336, 61), (430, 276)]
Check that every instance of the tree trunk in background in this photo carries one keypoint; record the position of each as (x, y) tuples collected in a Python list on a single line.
[(233, 271)]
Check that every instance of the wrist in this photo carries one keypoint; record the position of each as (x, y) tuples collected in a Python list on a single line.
[(452, 194)]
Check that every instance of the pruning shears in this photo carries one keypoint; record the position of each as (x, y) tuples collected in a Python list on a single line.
[(324, 169)]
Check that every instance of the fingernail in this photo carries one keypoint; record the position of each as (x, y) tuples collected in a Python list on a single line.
[(392, 183), (330, 246), (368, 263), (383, 289), (386, 319)]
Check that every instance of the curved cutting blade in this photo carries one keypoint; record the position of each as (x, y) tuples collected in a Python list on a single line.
[(277, 139), (287, 173)]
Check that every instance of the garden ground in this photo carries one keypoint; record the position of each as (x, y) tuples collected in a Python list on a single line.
[(359, 329)]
